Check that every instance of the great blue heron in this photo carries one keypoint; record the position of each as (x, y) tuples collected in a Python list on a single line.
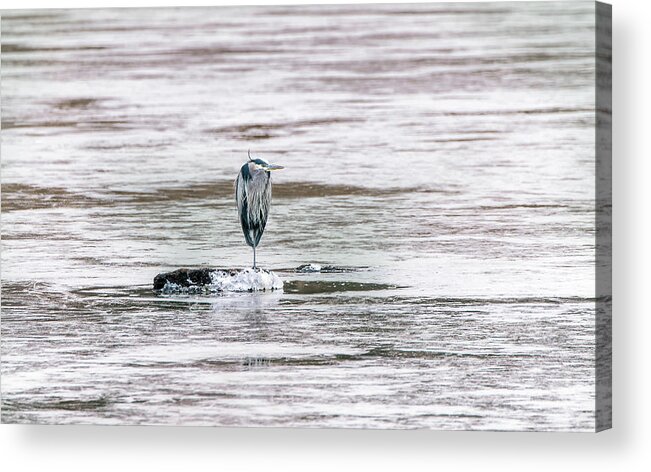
[(253, 197)]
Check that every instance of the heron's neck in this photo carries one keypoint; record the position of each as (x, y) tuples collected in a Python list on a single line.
[(257, 173)]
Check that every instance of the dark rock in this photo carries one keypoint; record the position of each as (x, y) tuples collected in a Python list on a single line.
[(187, 277), (193, 278)]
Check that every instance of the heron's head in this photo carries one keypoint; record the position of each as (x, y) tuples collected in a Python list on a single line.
[(262, 165)]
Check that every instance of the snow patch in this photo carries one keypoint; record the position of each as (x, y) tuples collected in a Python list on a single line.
[(245, 280)]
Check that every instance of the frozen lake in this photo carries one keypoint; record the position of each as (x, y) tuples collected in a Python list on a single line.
[(443, 152)]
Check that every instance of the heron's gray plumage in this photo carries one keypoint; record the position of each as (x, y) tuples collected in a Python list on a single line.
[(253, 197)]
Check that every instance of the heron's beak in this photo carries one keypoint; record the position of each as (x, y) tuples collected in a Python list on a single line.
[(271, 167)]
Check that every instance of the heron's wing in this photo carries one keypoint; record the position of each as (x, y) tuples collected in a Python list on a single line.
[(258, 197), (240, 193), (265, 203), (242, 200)]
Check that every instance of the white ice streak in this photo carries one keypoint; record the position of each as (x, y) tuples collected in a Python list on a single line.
[(310, 268)]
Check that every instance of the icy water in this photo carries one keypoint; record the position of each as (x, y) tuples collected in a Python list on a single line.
[(443, 152)]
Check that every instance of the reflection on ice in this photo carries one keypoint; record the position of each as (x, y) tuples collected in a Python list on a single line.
[(247, 303)]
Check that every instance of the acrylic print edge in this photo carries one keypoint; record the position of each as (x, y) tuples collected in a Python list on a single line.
[(603, 216)]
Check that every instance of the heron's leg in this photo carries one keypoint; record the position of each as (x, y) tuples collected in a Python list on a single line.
[(254, 257)]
